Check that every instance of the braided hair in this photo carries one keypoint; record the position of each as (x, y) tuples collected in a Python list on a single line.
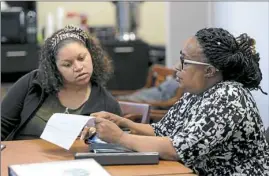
[(236, 58), (51, 79)]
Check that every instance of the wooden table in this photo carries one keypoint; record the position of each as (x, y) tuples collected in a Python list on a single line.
[(36, 151)]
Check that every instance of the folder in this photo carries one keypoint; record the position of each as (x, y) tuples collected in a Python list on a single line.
[(108, 148)]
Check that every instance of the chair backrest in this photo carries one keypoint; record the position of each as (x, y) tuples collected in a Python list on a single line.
[(136, 109), (158, 74)]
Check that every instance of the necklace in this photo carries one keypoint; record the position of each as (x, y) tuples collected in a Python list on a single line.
[(68, 109)]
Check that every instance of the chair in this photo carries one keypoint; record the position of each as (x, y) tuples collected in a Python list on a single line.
[(138, 112), (156, 75)]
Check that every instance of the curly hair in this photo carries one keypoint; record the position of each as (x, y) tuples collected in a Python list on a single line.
[(51, 79), (236, 58)]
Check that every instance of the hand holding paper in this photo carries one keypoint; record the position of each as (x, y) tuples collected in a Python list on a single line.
[(63, 129)]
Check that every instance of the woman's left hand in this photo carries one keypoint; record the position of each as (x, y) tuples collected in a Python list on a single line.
[(107, 130)]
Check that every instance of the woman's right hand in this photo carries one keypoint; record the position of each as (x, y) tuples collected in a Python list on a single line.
[(120, 121)]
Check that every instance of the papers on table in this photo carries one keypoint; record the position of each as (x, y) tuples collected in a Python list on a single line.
[(63, 129), (85, 167)]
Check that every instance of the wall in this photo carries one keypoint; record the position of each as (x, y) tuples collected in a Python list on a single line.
[(251, 18), (152, 27), (153, 22), (183, 19)]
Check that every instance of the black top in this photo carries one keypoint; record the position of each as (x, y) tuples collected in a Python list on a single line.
[(26, 96), (219, 132)]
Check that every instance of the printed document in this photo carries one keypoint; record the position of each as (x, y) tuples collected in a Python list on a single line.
[(63, 129)]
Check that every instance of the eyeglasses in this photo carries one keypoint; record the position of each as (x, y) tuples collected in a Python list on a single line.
[(187, 61)]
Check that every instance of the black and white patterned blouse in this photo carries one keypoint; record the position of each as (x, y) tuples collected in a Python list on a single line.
[(218, 132)]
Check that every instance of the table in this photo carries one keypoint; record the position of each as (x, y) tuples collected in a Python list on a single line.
[(36, 151)]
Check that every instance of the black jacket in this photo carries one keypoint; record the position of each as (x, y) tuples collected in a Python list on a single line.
[(26, 95)]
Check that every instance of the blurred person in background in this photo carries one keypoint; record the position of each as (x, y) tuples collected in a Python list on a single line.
[(163, 92)]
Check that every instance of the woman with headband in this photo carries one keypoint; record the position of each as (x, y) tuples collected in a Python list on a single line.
[(72, 71)]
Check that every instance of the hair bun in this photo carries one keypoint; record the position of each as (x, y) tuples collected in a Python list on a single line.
[(246, 45)]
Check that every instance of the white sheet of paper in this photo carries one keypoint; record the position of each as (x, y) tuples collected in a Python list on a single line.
[(85, 167), (63, 129)]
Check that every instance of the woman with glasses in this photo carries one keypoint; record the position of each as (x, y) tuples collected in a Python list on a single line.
[(70, 79), (215, 128)]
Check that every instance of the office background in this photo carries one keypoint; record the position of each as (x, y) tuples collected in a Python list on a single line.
[(152, 16), (168, 24)]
